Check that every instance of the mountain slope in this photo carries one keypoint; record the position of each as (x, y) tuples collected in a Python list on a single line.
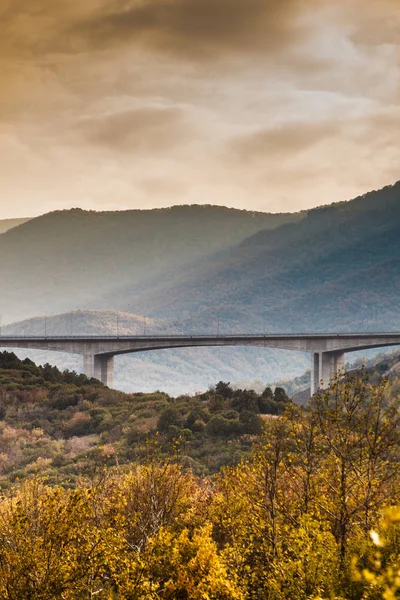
[(73, 259), (339, 268)]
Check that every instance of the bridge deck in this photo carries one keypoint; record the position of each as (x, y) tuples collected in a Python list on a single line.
[(327, 349), (300, 335)]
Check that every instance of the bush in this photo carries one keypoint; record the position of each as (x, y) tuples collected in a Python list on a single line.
[(250, 423), (168, 418), (218, 426), (223, 389), (245, 400)]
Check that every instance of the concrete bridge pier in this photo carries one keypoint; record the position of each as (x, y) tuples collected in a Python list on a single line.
[(315, 378), (324, 366), (100, 366)]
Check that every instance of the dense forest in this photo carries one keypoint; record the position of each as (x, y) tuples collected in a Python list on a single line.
[(305, 510)]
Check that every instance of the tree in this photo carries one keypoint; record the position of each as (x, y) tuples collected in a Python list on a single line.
[(378, 568), (281, 396), (188, 565), (251, 423), (223, 389), (218, 426), (267, 393), (245, 400), (49, 545), (275, 554), (359, 424)]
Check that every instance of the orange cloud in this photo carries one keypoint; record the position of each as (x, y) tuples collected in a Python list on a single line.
[(252, 103)]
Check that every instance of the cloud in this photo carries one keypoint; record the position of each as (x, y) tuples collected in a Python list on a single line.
[(330, 159), (188, 28), (374, 23), (34, 29), (171, 188), (201, 29), (282, 142), (144, 130), (264, 104)]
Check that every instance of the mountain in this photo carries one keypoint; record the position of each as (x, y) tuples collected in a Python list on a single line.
[(77, 259), (336, 269), (6, 224)]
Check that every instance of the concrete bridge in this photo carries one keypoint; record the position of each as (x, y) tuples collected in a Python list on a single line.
[(327, 349)]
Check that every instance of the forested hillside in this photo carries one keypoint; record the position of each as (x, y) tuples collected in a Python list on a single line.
[(337, 269), (308, 512), (206, 269), (77, 259)]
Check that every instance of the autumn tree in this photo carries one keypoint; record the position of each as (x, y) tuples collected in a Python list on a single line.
[(49, 545), (359, 425)]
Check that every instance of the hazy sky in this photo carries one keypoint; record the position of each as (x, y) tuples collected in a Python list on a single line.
[(272, 105)]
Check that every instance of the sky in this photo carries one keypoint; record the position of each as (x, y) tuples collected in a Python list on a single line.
[(270, 105)]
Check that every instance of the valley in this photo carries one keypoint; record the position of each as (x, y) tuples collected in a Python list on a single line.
[(204, 270)]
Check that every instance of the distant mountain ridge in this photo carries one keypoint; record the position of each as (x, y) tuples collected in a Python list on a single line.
[(7, 224), (332, 270), (76, 259)]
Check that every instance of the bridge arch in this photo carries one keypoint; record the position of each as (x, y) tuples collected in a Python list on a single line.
[(327, 349)]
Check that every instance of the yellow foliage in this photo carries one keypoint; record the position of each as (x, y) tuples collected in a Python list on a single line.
[(282, 526), (180, 565), (382, 574), (49, 547)]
